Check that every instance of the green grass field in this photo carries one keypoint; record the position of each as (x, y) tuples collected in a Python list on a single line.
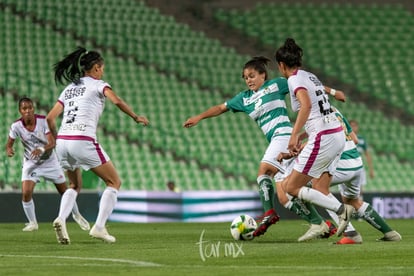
[(202, 249)]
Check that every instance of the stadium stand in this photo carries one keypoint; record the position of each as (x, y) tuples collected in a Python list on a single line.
[(168, 76)]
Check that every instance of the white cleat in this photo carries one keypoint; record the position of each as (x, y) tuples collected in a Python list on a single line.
[(315, 231), (101, 234), (30, 227), (81, 221), (391, 236), (60, 230), (344, 218)]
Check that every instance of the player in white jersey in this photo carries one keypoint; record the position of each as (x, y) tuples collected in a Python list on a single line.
[(82, 103), (349, 176), (264, 102), (326, 138), (39, 160)]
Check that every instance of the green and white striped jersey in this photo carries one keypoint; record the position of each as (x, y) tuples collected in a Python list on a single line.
[(267, 107), (350, 159)]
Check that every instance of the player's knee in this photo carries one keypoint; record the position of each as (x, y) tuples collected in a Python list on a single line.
[(282, 198), (26, 196), (114, 183)]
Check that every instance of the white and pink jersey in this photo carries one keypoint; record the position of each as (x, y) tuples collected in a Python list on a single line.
[(32, 139), (326, 136), (321, 116), (83, 105)]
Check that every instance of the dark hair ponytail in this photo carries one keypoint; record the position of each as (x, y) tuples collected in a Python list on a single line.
[(73, 66), (257, 63), (289, 53)]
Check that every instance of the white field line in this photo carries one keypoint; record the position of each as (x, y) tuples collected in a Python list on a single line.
[(124, 261)]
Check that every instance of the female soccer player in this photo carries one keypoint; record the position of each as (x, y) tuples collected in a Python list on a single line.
[(264, 102), (82, 102), (39, 160), (326, 138), (350, 176)]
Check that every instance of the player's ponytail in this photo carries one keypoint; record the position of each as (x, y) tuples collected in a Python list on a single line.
[(74, 65), (289, 53)]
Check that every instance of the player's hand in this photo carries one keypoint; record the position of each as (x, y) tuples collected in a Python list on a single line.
[(141, 120), (283, 155), (10, 152), (340, 96), (37, 153), (191, 122), (294, 145)]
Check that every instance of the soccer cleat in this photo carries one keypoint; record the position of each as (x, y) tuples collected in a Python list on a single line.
[(332, 230), (81, 221), (31, 226), (391, 236), (101, 234), (60, 230), (315, 231), (344, 218), (269, 218), (351, 237)]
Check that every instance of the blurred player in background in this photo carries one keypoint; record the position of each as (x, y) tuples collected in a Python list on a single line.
[(363, 148), (39, 160), (172, 187), (82, 103), (326, 138)]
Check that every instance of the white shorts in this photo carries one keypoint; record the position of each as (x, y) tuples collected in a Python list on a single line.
[(50, 170), (349, 182), (321, 153), (288, 167), (277, 145), (85, 154), (364, 175)]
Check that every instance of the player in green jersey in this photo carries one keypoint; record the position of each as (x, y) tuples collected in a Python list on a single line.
[(264, 102), (363, 148)]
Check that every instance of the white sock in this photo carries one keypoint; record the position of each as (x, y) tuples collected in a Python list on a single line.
[(29, 210), (75, 209), (67, 202), (106, 206), (288, 204), (318, 198), (362, 209)]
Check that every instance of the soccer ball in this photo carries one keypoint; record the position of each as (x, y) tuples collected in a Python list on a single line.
[(242, 227)]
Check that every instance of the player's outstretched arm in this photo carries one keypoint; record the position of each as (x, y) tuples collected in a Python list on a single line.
[(124, 107), (211, 112)]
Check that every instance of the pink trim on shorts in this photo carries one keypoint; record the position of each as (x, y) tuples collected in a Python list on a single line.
[(100, 154), (85, 138), (75, 137), (317, 146)]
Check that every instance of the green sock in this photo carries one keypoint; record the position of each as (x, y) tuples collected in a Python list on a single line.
[(306, 210), (266, 191), (372, 217)]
